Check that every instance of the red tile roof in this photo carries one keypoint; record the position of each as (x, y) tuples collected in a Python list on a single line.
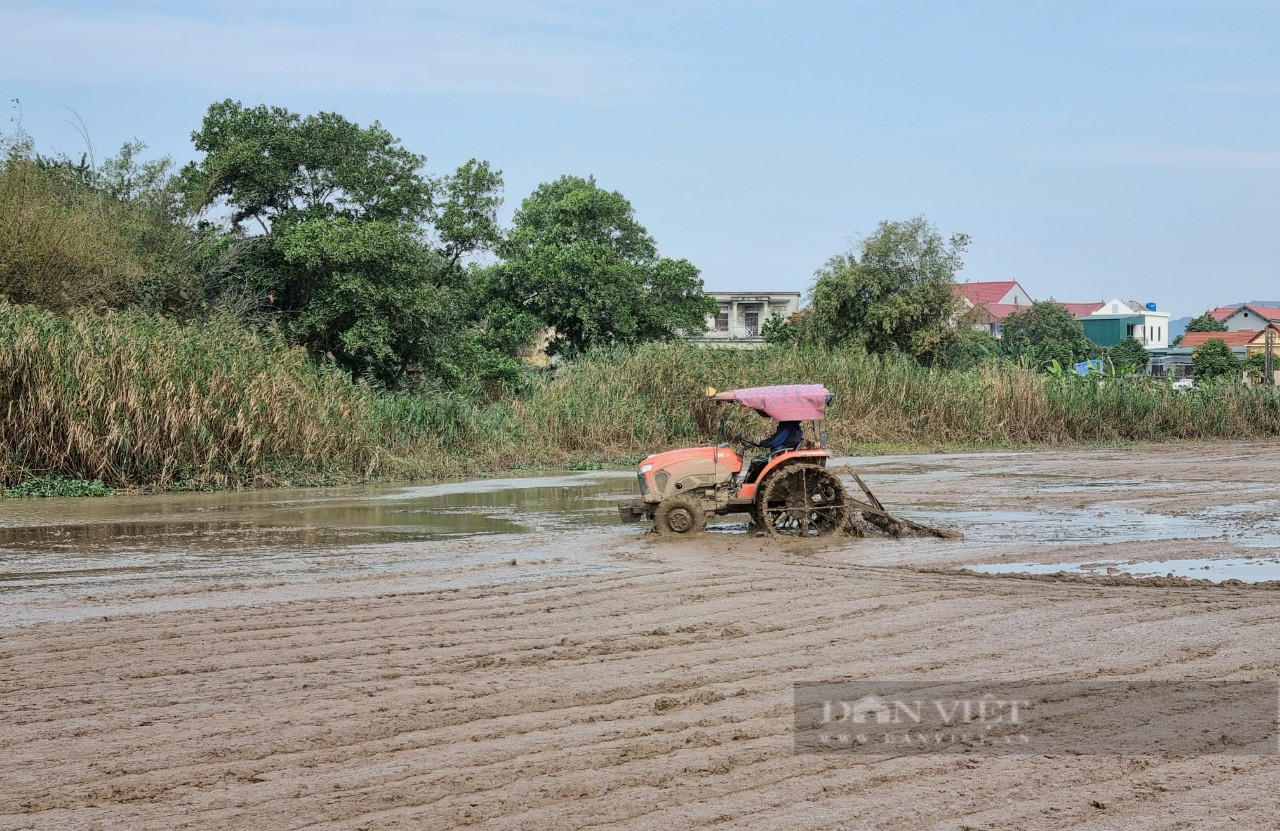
[(1267, 312), (1241, 338), (1271, 313), (987, 292), (999, 311), (994, 312), (1080, 309)]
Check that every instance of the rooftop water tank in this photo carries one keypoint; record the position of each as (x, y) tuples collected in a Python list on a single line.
[(1151, 307)]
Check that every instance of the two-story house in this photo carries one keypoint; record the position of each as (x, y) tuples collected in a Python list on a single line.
[(740, 315), (1118, 319)]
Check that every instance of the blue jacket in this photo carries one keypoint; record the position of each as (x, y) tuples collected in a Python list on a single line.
[(788, 436)]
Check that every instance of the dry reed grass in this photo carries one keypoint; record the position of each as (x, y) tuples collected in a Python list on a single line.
[(133, 400)]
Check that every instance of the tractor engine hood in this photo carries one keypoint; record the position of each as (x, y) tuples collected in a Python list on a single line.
[(720, 456)]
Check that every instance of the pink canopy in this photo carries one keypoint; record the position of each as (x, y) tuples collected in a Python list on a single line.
[(790, 402)]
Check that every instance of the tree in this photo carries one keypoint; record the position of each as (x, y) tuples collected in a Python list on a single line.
[(1204, 323), (1214, 359), (1129, 355), (1044, 333), (578, 261), (783, 331), (270, 164), (332, 224), (895, 293), (467, 218)]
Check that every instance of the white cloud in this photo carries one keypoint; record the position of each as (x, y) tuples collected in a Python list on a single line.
[(558, 52)]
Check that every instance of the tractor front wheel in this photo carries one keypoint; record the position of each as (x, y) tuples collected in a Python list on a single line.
[(679, 515)]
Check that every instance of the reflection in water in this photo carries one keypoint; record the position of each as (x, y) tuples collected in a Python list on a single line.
[(1247, 570), (51, 547)]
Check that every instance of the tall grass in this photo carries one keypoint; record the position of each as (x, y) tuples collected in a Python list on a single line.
[(635, 401), (131, 399), (134, 400)]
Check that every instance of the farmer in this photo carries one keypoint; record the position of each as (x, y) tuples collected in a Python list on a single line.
[(788, 436)]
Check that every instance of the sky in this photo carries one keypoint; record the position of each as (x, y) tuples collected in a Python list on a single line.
[(1089, 149)]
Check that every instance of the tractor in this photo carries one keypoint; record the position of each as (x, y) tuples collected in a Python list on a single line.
[(785, 490)]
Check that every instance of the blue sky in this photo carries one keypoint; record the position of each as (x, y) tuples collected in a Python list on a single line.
[(1090, 149)]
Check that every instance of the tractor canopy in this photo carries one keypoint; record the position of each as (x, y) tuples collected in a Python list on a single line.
[(788, 402)]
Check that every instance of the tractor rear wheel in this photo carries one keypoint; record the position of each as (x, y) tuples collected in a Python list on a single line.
[(802, 501), (679, 515)]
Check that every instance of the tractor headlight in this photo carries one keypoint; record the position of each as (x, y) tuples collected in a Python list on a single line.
[(646, 468)]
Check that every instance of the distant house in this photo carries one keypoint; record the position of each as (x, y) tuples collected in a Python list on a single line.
[(993, 292), (987, 303), (1118, 319), (1248, 317), (741, 314), (1243, 342), (1176, 362)]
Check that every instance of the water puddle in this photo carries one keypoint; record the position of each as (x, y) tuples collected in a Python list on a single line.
[(1245, 569), (1098, 524), (56, 548)]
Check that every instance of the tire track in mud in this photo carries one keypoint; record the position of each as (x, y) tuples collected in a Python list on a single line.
[(658, 697)]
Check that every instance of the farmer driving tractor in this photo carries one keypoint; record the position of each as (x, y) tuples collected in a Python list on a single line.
[(788, 436), (785, 490)]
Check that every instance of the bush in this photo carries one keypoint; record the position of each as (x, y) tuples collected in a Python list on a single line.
[(55, 486), (72, 236)]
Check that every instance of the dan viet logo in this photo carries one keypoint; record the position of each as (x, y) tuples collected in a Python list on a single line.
[(922, 714), (933, 722)]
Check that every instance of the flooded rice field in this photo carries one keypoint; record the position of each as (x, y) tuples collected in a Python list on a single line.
[(65, 558), (503, 654), (55, 550)]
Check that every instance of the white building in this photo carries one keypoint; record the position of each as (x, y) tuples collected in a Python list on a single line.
[(741, 314), (1144, 324)]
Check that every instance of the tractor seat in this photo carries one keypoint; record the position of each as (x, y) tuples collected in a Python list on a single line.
[(759, 463)]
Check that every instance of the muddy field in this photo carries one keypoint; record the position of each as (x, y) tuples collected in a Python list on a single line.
[(351, 660)]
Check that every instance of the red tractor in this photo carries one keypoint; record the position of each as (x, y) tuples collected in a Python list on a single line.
[(786, 490)]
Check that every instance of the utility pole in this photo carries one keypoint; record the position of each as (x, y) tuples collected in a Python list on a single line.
[(1269, 375)]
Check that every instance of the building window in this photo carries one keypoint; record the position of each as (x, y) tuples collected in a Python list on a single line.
[(722, 319)]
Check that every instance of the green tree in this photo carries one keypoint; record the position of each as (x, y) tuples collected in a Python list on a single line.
[(577, 260), (895, 293), (331, 229), (1214, 359), (782, 331), (466, 219), (1204, 323), (1045, 332), (1129, 355)]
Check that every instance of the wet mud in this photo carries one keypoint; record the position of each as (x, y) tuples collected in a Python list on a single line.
[(503, 655)]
